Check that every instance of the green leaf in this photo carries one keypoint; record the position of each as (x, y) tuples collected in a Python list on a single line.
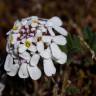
[(73, 43), (90, 37), (72, 90)]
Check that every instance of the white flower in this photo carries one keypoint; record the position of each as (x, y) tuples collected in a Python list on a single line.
[(27, 44), (32, 39)]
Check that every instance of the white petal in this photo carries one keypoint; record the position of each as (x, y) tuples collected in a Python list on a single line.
[(49, 67), (13, 55), (42, 22), (32, 48), (22, 48), (16, 44), (13, 70), (8, 63), (63, 59), (46, 53), (60, 30), (39, 33), (7, 45), (24, 22), (34, 72), (51, 31), (15, 36), (56, 52), (55, 21), (14, 41), (46, 39), (33, 38), (40, 46), (34, 60), (25, 55), (9, 32), (43, 29), (15, 51), (61, 40), (23, 71), (16, 61)]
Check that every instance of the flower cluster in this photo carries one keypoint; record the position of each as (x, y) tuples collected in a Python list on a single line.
[(33, 39)]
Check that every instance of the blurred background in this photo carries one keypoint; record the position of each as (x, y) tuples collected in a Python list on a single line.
[(78, 76)]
